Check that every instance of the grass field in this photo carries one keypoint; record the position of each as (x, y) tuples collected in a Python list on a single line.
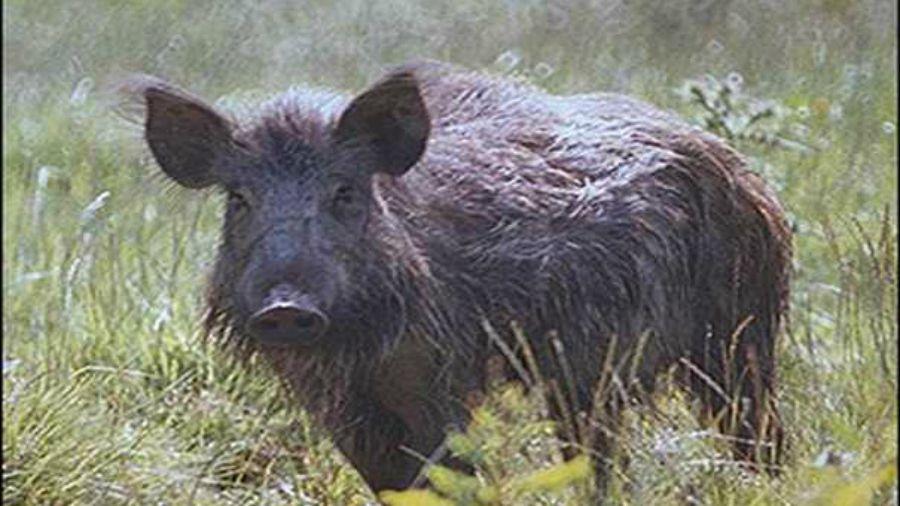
[(109, 398)]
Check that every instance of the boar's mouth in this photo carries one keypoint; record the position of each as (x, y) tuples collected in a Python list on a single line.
[(288, 317)]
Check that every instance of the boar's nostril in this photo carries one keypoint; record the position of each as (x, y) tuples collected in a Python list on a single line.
[(306, 320), (288, 322)]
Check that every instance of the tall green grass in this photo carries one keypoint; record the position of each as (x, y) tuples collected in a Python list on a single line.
[(108, 398)]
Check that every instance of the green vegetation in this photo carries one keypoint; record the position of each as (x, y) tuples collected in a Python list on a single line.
[(109, 398)]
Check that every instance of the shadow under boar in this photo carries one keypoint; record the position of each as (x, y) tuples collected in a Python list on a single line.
[(370, 244)]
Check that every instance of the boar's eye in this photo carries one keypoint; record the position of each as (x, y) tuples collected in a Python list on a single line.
[(237, 200), (347, 203), (344, 195)]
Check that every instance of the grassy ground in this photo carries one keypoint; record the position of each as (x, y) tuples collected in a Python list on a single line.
[(108, 398)]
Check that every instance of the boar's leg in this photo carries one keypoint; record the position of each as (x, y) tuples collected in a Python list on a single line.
[(372, 442), (388, 452), (734, 380), (741, 300), (586, 423)]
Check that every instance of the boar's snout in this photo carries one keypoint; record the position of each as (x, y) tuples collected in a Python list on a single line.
[(288, 317)]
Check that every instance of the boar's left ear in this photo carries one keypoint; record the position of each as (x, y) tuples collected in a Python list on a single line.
[(389, 119)]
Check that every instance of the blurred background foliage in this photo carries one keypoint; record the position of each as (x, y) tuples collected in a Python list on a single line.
[(108, 397)]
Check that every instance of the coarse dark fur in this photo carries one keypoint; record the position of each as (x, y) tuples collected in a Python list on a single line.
[(620, 240)]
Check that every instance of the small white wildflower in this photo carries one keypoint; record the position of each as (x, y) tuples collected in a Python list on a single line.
[(509, 59), (543, 70), (150, 213), (81, 91), (735, 80), (799, 129), (836, 112)]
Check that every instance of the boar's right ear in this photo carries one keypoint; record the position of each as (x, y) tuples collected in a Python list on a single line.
[(185, 135)]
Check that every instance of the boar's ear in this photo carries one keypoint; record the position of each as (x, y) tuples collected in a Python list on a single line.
[(184, 134), (389, 120)]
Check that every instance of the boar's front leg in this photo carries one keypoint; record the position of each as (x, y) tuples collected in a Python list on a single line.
[(373, 442), (388, 452)]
